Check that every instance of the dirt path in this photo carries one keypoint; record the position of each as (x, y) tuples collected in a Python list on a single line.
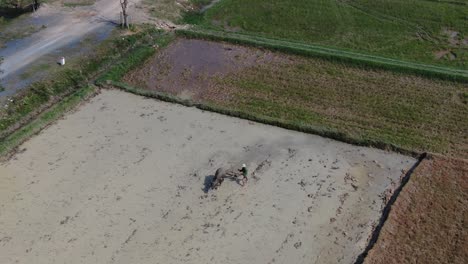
[(72, 24), (122, 181)]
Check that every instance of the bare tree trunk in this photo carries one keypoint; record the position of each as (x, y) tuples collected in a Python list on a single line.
[(124, 5), (35, 5)]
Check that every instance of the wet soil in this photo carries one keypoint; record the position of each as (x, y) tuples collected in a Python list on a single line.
[(190, 68)]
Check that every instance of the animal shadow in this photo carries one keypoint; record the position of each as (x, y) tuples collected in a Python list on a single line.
[(208, 182)]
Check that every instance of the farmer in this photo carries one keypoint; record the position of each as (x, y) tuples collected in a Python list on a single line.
[(244, 172)]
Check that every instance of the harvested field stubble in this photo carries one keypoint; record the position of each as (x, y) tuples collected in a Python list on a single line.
[(428, 222), (368, 105)]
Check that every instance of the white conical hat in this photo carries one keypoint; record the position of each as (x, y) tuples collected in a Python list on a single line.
[(243, 166)]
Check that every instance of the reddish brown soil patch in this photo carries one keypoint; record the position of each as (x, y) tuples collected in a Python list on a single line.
[(190, 67), (429, 221)]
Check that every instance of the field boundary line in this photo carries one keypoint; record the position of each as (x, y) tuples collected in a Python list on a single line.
[(328, 53), (304, 128), (45, 119), (386, 210), (134, 58)]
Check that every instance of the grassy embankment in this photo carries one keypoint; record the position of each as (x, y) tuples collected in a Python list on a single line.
[(9, 142), (43, 95), (134, 59), (417, 31), (169, 10), (78, 3)]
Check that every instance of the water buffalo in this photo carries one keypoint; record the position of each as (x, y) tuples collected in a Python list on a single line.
[(218, 178), (222, 174)]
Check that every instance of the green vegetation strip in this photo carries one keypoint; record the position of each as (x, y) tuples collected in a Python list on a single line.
[(329, 54), (134, 59), (45, 119), (78, 3), (301, 127)]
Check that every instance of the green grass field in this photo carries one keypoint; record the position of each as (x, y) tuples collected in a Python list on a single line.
[(412, 30)]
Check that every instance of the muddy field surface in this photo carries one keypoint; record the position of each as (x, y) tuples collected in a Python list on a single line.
[(429, 221), (190, 68), (123, 180)]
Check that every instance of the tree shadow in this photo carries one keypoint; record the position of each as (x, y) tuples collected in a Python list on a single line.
[(208, 182), (105, 20), (10, 12)]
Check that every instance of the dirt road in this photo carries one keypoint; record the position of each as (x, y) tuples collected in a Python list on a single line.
[(122, 180), (67, 26)]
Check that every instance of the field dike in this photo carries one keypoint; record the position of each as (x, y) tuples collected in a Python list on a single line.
[(352, 58), (9, 144), (386, 210)]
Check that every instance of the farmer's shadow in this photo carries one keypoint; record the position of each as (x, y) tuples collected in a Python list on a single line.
[(208, 181)]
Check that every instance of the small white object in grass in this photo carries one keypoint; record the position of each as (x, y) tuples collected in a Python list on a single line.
[(61, 61)]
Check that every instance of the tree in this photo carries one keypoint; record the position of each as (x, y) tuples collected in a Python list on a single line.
[(20, 4), (8, 3), (124, 5), (35, 5)]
